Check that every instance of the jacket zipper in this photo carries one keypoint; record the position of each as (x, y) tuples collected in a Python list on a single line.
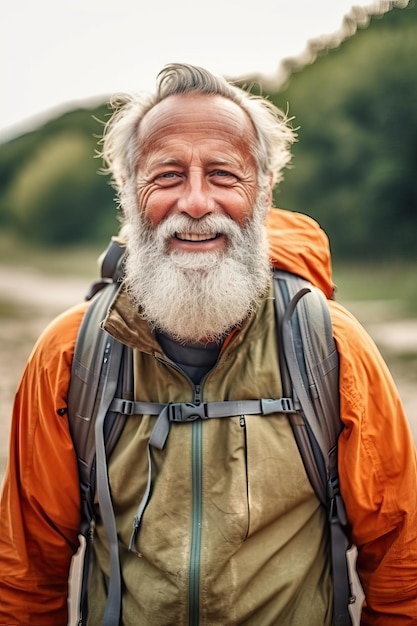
[(196, 503), (196, 508)]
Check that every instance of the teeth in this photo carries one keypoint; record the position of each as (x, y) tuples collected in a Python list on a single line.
[(195, 236)]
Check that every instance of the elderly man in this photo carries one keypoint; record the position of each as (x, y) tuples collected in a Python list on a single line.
[(232, 532)]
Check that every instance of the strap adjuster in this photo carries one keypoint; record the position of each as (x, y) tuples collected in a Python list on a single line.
[(127, 407), (186, 412)]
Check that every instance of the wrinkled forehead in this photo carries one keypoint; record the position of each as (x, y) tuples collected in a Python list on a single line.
[(179, 113)]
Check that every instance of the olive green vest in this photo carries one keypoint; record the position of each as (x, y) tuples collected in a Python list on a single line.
[(233, 532)]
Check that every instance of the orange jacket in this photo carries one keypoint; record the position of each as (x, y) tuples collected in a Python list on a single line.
[(39, 517)]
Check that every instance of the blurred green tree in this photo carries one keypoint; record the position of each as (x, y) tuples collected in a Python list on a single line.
[(54, 197), (354, 167), (51, 192)]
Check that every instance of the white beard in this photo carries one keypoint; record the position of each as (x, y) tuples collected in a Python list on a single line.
[(198, 296)]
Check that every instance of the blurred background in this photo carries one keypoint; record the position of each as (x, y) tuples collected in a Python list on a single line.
[(346, 73)]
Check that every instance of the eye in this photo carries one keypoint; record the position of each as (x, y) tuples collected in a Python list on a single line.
[(166, 179), (223, 177), (168, 175)]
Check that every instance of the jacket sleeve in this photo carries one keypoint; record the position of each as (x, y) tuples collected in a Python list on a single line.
[(40, 508), (378, 477)]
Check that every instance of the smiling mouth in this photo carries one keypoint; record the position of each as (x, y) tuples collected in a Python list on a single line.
[(196, 236)]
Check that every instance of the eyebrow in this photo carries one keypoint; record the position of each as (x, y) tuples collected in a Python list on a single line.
[(211, 162)]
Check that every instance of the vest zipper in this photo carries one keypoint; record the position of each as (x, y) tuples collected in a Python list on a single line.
[(196, 509), (196, 502)]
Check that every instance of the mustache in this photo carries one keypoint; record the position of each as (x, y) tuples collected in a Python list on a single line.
[(207, 225)]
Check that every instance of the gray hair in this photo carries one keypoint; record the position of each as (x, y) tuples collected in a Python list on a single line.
[(120, 149)]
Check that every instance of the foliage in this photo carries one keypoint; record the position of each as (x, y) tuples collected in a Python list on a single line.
[(354, 168), (52, 184), (52, 191)]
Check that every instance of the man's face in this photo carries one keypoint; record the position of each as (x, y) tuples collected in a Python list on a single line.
[(196, 160), (197, 260)]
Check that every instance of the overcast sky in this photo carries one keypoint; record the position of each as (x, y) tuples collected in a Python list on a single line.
[(57, 54)]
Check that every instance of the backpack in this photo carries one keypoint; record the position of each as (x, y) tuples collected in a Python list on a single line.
[(100, 399)]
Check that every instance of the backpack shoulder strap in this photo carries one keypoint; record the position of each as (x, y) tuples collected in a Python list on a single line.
[(91, 353), (101, 368), (309, 369), (91, 349), (310, 374)]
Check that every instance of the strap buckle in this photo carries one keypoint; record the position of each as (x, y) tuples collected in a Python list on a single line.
[(280, 405), (186, 412)]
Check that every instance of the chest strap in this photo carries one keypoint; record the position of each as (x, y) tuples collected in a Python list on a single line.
[(177, 412)]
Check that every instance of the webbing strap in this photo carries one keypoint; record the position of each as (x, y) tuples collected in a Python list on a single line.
[(85, 576), (189, 412), (342, 592), (141, 508), (112, 611)]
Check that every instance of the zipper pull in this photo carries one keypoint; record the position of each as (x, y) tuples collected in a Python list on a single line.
[(132, 542), (242, 421), (197, 394)]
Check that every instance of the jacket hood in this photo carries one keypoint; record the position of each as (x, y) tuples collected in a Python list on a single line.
[(299, 245)]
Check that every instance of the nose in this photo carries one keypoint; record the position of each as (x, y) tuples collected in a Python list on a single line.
[(196, 199)]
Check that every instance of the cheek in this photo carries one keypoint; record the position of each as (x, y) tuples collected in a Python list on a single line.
[(241, 206), (151, 204)]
